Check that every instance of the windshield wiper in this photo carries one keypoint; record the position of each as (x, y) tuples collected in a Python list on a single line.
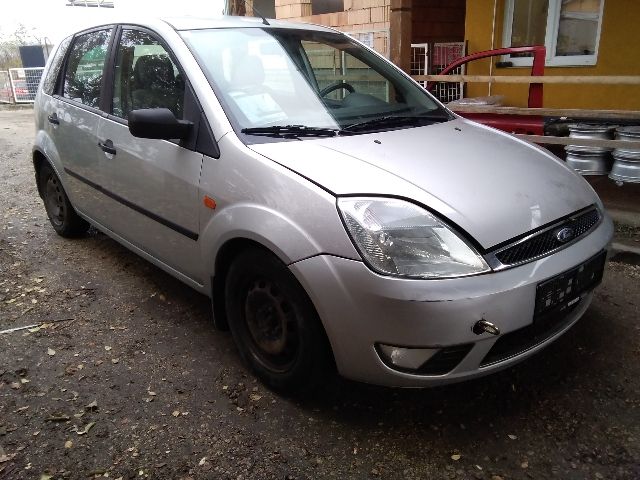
[(290, 131), (394, 121)]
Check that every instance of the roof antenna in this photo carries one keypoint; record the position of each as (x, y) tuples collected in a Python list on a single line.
[(255, 10), (229, 4)]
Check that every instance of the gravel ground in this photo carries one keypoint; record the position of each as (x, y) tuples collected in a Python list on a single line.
[(127, 379)]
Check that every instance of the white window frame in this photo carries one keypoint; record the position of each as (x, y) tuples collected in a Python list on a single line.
[(551, 39)]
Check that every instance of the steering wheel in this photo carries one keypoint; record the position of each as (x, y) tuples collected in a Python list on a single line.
[(335, 86)]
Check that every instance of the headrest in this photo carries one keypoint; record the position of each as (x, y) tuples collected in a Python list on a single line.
[(153, 71)]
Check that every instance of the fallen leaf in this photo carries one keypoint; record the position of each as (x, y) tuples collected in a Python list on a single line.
[(85, 430), (68, 444), (456, 456), (51, 351)]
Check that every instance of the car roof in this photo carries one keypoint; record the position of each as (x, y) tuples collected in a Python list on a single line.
[(225, 21), (206, 22)]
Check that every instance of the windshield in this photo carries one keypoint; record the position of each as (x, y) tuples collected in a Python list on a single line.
[(308, 81)]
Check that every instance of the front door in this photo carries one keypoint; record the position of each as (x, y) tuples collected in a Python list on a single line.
[(152, 184)]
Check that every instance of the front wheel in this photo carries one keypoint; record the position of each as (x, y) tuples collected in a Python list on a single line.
[(64, 219), (274, 324)]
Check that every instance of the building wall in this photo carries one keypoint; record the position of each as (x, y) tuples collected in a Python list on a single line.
[(358, 15), (437, 21), (618, 55)]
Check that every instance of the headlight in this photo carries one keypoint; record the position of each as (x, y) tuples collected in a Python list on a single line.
[(399, 238)]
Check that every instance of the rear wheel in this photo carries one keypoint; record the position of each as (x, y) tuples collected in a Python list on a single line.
[(274, 324), (64, 219)]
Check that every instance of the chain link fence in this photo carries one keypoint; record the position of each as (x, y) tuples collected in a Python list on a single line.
[(24, 83)]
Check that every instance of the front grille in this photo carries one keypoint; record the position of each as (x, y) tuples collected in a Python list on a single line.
[(519, 341), (445, 360), (546, 241)]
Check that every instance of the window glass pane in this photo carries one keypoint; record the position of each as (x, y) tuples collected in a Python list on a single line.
[(83, 77), (578, 27), (331, 65), (529, 23), (145, 76), (263, 78), (49, 82), (326, 6)]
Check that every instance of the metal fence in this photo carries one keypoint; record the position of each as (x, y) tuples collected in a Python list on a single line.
[(6, 95), (24, 83), (431, 59)]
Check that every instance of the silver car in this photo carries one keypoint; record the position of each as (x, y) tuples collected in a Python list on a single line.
[(336, 214)]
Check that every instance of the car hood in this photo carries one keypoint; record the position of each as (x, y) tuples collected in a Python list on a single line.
[(489, 183)]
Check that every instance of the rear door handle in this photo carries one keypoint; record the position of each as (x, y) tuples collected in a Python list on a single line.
[(53, 118), (107, 147)]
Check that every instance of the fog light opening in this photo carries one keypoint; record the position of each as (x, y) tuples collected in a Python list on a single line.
[(404, 357)]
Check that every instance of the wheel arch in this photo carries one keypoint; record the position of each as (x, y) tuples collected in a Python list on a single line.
[(39, 159), (224, 258)]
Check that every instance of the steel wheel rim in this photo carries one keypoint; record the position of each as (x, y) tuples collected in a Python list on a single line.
[(272, 326), (54, 202)]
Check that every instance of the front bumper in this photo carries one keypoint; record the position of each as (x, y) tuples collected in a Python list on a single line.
[(360, 309)]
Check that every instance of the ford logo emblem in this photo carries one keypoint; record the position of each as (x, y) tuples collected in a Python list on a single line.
[(565, 234)]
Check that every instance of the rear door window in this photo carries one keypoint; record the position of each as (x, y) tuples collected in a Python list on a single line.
[(85, 66)]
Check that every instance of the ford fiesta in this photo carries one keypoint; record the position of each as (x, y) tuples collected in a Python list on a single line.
[(337, 215)]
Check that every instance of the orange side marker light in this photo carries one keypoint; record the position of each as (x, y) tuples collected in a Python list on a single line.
[(209, 202)]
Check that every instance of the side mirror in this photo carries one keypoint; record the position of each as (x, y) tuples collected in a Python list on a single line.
[(158, 123)]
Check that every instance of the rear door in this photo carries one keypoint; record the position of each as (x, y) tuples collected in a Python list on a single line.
[(152, 185), (73, 116)]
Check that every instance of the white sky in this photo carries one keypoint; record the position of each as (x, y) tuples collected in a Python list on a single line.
[(53, 19)]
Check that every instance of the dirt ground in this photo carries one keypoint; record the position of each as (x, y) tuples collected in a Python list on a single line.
[(128, 379)]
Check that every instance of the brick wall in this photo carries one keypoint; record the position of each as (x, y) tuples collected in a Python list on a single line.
[(357, 14), (437, 21)]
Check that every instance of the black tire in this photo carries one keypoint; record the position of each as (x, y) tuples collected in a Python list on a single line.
[(64, 219), (274, 324)]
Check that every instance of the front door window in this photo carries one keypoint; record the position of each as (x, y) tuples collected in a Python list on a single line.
[(145, 76)]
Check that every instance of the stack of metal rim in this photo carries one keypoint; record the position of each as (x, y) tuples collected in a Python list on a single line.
[(590, 160), (626, 165)]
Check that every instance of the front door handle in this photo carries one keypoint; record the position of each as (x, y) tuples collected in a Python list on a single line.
[(53, 118), (107, 147)]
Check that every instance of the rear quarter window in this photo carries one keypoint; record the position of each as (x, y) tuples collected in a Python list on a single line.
[(50, 80)]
